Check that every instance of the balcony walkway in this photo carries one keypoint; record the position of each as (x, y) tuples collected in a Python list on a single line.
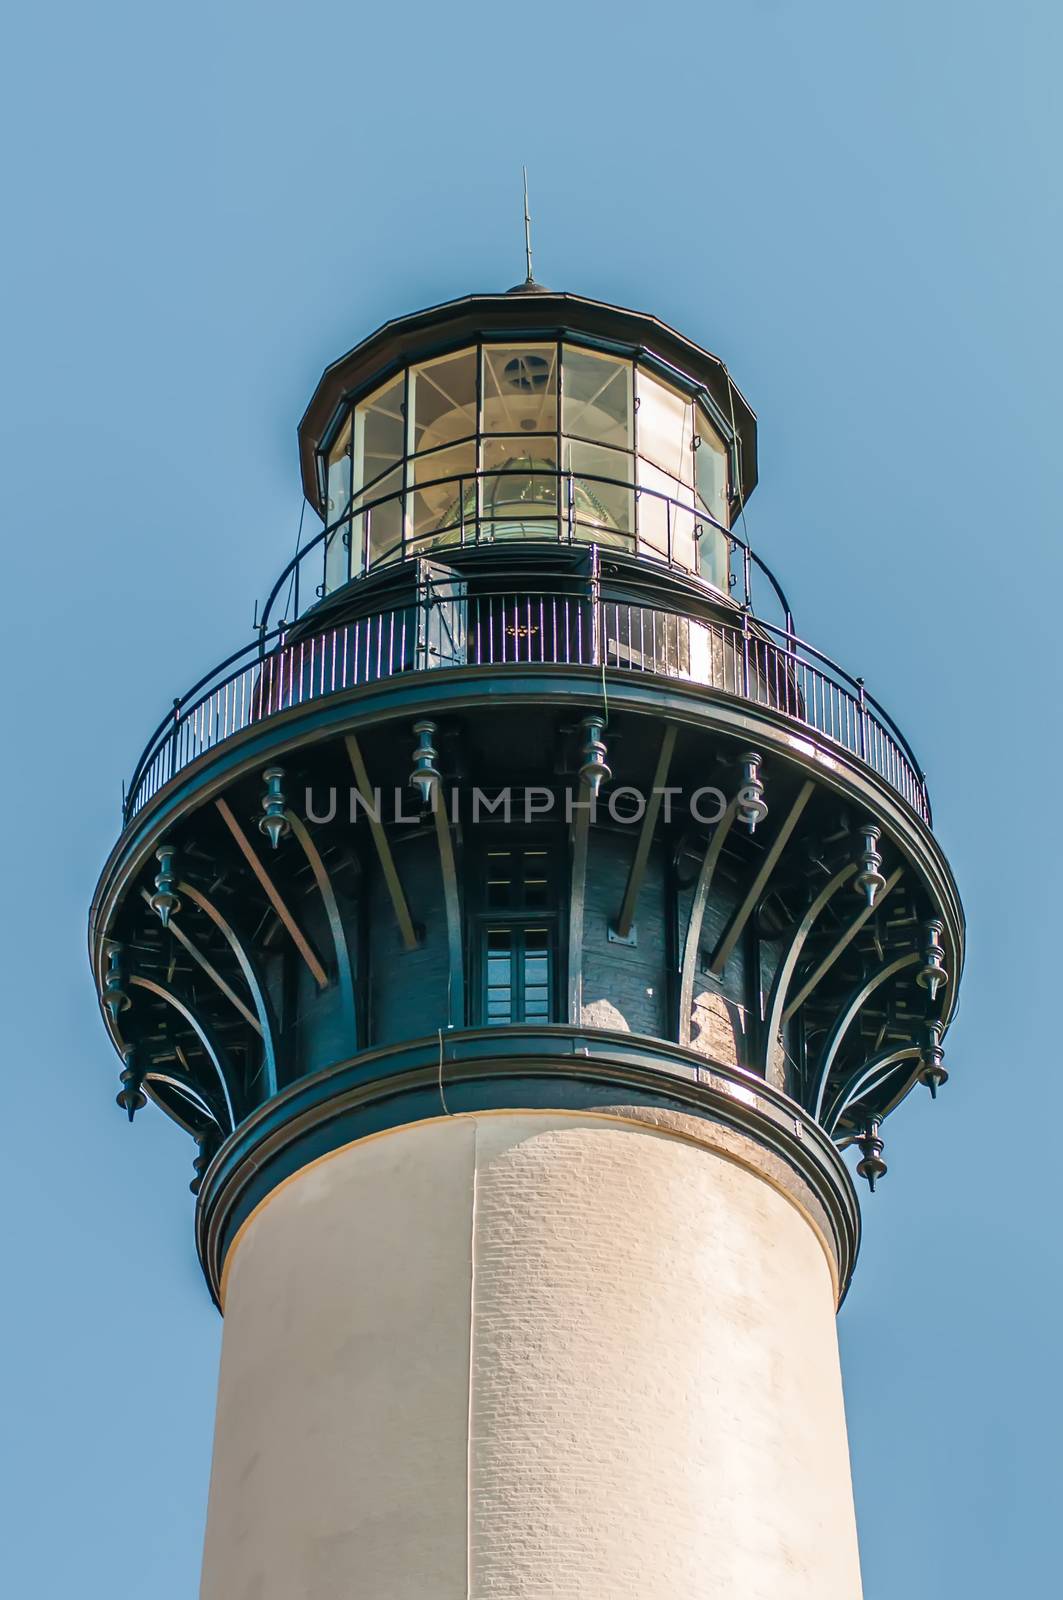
[(446, 627)]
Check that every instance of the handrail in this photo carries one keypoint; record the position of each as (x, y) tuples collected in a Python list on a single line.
[(181, 702), (793, 641), (753, 660), (408, 545)]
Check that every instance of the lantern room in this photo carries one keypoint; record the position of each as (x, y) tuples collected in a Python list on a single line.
[(543, 419)]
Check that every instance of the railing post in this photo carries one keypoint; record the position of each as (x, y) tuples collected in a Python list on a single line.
[(173, 737), (747, 576), (862, 722), (745, 651), (596, 624), (426, 603), (570, 510)]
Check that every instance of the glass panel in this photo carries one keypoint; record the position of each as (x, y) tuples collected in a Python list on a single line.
[(378, 433), (536, 896), (337, 568), (666, 528), (517, 881), (710, 469), (443, 618), (519, 489), (714, 557), (357, 536), (499, 879), (711, 476), (536, 976), (339, 476), (608, 507), (499, 976), (337, 502), (684, 542), (443, 401), (665, 421), (448, 497), (596, 400), (520, 388), (384, 520)]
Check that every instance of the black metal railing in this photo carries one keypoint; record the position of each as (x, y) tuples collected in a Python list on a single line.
[(446, 627), (541, 504)]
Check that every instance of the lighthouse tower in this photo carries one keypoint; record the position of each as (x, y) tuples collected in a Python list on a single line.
[(522, 925)]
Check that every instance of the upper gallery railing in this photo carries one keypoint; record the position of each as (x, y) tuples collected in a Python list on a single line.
[(535, 503), (444, 626)]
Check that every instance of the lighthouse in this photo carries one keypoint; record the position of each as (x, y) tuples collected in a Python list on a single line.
[(522, 924)]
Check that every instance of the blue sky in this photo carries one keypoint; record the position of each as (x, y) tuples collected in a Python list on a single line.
[(858, 207)]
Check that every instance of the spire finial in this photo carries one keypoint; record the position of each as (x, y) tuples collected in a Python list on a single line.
[(529, 286), (527, 230)]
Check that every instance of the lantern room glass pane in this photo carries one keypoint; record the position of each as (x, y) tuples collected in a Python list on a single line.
[(337, 510), (519, 487), (711, 478), (665, 427), (337, 563), (339, 476), (445, 491), (596, 397), (714, 557), (519, 388), (666, 515), (710, 469), (383, 516), (357, 538), (443, 401), (379, 430), (600, 489)]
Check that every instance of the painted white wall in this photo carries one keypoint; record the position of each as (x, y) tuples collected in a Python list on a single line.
[(530, 1355)]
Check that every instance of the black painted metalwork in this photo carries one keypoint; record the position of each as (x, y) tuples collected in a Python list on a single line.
[(300, 587), (287, 958), (545, 626)]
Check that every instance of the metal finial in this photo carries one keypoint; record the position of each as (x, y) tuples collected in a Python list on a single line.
[(872, 1167), (527, 230), (425, 775), (594, 766), (207, 1142), (130, 1097), (274, 803), (752, 807), (164, 901), (869, 880), (114, 996), (932, 976), (932, 1070)]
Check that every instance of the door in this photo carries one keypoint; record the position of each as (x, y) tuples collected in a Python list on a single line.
[(441, 617)]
